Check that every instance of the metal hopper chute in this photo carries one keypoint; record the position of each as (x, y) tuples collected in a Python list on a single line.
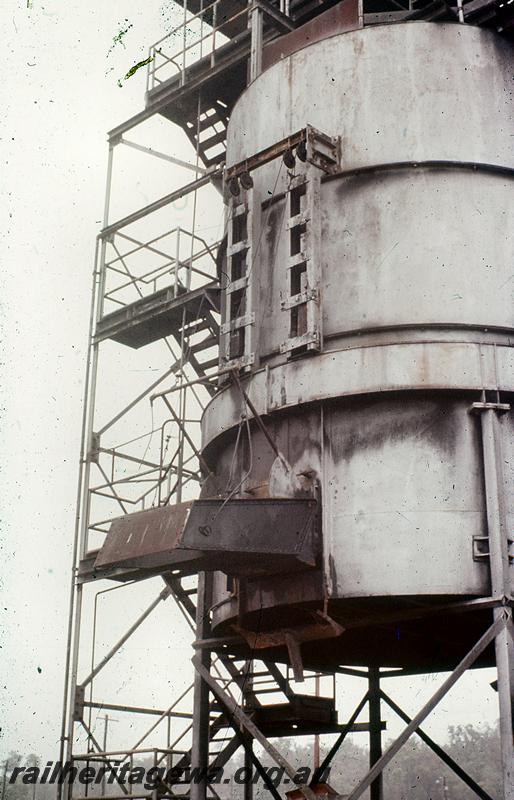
[(238, 537)]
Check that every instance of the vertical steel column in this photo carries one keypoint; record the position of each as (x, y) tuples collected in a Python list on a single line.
[(500, 587), (248, 765), (255, 21), (201, 714), (82, 515), (75, 592), (375, 730), (248, 701), (316, 747)]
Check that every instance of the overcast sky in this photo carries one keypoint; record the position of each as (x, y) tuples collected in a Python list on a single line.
[(62, 63)]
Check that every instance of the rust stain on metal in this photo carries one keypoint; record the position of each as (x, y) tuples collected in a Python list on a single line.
[(321, 626), (341, 18), (239, 537)]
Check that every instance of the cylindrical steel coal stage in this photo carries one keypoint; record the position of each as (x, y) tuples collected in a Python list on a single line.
[(368, 308)]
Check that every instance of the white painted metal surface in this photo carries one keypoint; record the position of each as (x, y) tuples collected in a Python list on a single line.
[(415, 292)]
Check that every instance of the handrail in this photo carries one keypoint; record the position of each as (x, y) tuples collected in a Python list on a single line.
[(178, 58), (172, 268)]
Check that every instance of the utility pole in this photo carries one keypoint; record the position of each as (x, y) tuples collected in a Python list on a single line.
[(106, 718), (4, 780), (34, 786)]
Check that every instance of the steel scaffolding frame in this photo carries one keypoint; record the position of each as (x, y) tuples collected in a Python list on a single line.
[(235, 676), (166, 478), (235, 683)]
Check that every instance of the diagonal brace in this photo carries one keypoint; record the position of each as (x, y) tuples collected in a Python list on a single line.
[(244, 720), (111, 766), (443, 755), (139, 621), (491, 633), (325, 765)]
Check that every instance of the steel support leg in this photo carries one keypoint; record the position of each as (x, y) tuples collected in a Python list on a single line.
[(200, 746), (375, 731), (500, 586), (248, 763), (485, 640), (443, 755), (249, 699), (504, 647)]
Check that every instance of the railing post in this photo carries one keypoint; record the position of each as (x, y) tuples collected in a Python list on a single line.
[(183, 75), (214, 24), (149, 70), (177, 261)]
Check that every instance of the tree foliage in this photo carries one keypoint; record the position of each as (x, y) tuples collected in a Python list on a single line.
[(416, 773)]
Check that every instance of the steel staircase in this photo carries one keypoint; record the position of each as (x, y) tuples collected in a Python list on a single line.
[(265, 693)]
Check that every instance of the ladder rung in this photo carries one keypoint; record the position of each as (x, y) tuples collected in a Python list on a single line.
[(238, 247), (212, 362), (218, 138), (260, 674), (238, 322), (209, 341), (236, 286), (298, 221), (209, 121), (196, 327), (297, 259), (210, 162)]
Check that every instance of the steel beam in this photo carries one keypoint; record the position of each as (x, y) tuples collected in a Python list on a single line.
[(164, 201), (136, 709), (165, 157)]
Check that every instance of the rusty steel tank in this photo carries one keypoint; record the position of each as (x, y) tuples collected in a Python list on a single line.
[(362, 397)]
